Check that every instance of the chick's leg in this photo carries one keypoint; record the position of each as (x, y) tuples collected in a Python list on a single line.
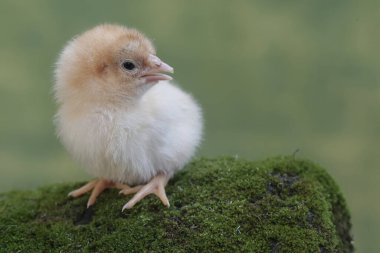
[(155, 186), (97, 186)]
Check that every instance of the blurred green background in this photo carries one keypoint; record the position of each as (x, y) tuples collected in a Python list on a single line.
[(272, 76)]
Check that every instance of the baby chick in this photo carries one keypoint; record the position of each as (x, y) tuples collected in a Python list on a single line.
[(120, 117)]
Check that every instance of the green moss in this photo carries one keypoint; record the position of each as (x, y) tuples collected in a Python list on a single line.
[(217, 205)]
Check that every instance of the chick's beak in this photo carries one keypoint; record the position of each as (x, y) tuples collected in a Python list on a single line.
[(154, 73)]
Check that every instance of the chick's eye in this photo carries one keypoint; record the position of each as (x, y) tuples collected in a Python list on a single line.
[(128, 65)]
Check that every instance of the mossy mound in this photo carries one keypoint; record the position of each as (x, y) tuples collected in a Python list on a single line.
[(217, 205)]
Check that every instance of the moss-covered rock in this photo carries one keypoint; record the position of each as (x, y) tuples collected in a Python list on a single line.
[(217, 205)]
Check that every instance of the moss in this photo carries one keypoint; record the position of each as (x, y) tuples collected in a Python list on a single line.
[(217, 205)]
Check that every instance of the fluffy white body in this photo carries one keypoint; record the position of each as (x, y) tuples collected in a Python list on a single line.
[(133, 142)]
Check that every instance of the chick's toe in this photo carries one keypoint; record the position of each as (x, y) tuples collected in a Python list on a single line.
[(155, 186)]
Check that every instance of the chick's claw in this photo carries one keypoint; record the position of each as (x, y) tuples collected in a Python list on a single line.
[(155, 186), (100, 186), (97, 186)]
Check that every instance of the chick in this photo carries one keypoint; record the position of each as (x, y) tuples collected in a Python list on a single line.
[(120, 117)]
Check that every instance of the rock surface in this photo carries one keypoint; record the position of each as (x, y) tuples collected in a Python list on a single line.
[(281, 204)]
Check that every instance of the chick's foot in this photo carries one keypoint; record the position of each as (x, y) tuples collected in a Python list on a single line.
[(97, 187), (155, 186)]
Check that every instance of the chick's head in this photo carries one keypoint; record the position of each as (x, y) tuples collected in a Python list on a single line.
[(109, 63)]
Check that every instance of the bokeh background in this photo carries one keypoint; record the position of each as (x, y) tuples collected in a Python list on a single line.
[(272, 77)]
